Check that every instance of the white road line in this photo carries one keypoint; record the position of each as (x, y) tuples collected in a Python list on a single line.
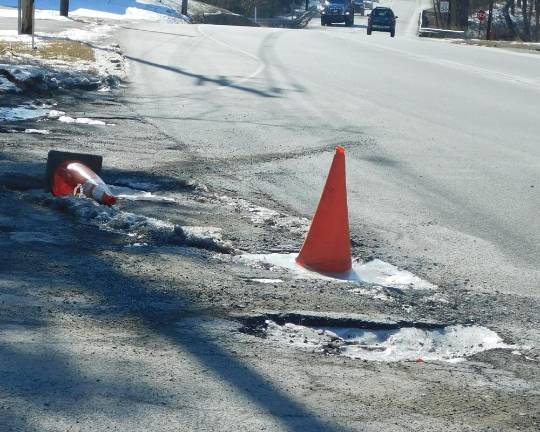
[(261, 67)]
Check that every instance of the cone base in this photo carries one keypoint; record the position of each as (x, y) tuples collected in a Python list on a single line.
[(326, 267)]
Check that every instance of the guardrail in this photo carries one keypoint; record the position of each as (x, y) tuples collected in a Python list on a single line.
[(299, 21), (424, 30)]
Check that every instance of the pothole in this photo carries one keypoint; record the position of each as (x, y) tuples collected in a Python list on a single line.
[(384, 341)]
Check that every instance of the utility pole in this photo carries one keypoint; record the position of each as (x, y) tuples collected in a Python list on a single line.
[(64, 8), (184, 7), (27, 17), (490, 19)]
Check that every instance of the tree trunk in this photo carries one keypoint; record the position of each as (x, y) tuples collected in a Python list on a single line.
[(464, 14), (27, 15), (490, 20), (454, 13), (510, 24), (526, 21), (64, 8), (537, 21), (184, 7)]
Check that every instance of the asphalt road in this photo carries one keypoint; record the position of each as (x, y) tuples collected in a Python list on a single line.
[(442, 139)]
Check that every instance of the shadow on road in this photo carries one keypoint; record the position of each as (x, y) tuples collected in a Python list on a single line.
[(51, 383), (201, 79)]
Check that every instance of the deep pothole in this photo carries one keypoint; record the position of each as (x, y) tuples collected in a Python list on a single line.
[(385, 341)]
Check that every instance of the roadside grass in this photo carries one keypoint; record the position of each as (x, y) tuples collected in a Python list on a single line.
[(61, 49)]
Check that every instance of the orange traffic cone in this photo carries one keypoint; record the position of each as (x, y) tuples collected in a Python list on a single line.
[(70, 177), (327, 247)]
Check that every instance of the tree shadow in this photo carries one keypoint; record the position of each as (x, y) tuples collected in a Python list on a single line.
[(153, 303), (203, 79)]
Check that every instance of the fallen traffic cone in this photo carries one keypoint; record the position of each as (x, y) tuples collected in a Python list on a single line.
[(327, 247), (73, 177)]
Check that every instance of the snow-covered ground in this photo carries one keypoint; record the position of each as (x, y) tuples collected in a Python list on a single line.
[(154, 10)]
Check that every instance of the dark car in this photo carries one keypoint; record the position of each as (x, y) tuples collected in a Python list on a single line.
[(382, 19), (337, 11)]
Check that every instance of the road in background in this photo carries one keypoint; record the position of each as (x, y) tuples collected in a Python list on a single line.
[(443, 160)]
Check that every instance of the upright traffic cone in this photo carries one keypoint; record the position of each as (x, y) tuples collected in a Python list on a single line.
[(72, 177), (327, 247)]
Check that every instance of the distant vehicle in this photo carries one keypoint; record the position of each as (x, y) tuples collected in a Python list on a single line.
[(382, 19), (368, 4), (359, 7), (337, 11)]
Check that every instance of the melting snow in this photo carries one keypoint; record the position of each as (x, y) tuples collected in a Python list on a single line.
[(141, 229), (452, 343), (83, 120), (37, 131), (138, 195), (374, 272), (21, 113), (267, 281)]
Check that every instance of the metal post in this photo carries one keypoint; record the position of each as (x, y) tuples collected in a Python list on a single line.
[(19, 17), (64, 8), (27, 11), (255, 14), (33, 23)]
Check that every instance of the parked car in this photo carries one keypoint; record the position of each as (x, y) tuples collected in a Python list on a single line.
[(337, 11), (359, 7), (382, 19)]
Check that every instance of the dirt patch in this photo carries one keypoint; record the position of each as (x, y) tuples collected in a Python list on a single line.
[(66, 50)]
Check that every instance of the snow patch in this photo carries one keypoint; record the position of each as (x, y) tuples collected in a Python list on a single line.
[(37, 131), (151, 10), (267, 281), (139, 229), (23, 112), (7, 86), (83, 120), (375, 272), (452, 343), (130, 194)]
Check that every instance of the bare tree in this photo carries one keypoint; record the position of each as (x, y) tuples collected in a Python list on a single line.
[(526, 20), (537, 21), (506, 12)]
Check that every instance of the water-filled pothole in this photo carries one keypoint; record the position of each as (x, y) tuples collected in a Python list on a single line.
[(385, 342)]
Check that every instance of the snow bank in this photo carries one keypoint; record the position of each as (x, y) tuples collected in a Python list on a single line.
[(152, 10), (140, 229), (42, 79)]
